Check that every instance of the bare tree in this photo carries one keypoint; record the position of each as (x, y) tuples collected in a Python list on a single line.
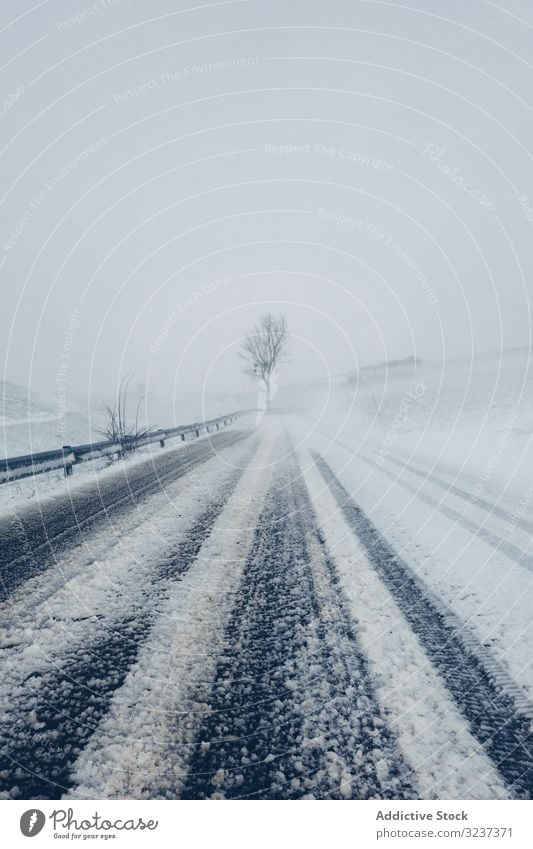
[(265, 347), (117, 426)]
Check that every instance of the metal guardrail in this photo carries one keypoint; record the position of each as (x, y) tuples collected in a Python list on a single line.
[(29, 465)]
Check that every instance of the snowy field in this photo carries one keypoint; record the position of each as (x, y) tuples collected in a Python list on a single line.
[(29, 425)]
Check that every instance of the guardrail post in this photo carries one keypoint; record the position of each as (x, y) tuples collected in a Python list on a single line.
[(197, 432), (69, 468), (183, 437), (162, 443)]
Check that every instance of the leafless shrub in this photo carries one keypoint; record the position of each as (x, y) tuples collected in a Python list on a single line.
[(118, 428)]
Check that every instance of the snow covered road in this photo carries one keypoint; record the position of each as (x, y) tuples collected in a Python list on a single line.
[(250, 632)]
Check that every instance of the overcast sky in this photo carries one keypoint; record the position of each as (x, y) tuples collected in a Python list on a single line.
[(171, 170)]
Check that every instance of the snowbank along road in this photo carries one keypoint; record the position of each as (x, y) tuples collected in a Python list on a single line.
[(228, 622)]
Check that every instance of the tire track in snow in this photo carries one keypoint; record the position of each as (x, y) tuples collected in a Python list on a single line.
[(495, 721), (60, 709), (292, 713), (498, 543), (33, 537)]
